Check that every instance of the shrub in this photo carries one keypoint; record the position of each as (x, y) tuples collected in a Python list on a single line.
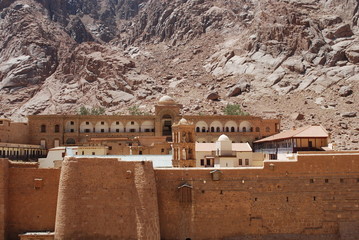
[(234, 109)]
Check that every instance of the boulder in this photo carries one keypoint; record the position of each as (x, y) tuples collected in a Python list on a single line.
[(297, 116), (345, 91), (294, 65), (343, 30), (352, 53), (238, 89), (213, 96), (349, 114)]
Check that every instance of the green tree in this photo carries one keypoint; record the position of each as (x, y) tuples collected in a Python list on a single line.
[(91, 111), (84, 111), (135, 110), (234, 109)]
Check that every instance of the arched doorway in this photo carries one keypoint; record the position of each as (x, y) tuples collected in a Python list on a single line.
[(167, 125)]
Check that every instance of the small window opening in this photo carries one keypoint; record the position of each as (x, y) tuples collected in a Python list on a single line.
[(311, 180), (326, 180)]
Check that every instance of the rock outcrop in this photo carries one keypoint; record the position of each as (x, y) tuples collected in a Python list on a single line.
[(268, 56)]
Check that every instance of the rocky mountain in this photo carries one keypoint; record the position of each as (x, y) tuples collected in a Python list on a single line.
[(293, 59)]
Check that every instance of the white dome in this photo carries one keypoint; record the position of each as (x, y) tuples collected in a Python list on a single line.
[(166, 100), (223, 138), (183, 122)]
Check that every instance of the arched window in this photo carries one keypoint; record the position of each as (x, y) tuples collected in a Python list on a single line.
[(244, 129), (43, 128), (258, 129), (218, 129), (212, 129), (227, 129), (197, 129), (232, 129), (267, 129), (203, 129), (251, 129)]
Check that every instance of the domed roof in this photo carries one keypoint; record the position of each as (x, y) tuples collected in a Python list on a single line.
[(223, 138), (166, 100), (183, 122)]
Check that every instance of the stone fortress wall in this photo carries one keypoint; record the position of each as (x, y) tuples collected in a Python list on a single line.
[(316, 197), (107, 199)]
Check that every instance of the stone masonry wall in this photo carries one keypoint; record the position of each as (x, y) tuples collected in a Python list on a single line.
[(32, 199), (4, 168), (107, 199), (315, 198)]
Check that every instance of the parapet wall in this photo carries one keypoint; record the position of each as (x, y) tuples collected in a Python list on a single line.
[(107, 199)]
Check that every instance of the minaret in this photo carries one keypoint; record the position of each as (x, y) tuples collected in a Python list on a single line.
[(183, 146)]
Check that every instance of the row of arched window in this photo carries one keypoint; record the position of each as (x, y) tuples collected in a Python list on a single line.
[(229, 129)]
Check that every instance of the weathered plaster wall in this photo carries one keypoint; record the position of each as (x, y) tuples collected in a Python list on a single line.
[(107, 199)]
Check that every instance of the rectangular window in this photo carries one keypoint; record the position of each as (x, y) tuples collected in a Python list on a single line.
[(117, 130), (72, 123), (117, 123), (132, 123), (147, 130), (132, 130), (102, 123), (1, 122), (102, 130), (87, 130), (208, 162), (247, 162), (87, 123), (202, 162), (93, 153), (72, 130), (240, 162), (110, 148), (57, 128), (162, 150), (43, 128), (83, 152)]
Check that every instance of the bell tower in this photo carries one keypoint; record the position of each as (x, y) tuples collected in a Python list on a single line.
[(167, 112), (183, 146)]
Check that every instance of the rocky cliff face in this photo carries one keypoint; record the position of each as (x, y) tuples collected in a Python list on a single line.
[(275, 58)]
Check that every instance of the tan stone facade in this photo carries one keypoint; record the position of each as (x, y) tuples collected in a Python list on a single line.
[(54, 130)]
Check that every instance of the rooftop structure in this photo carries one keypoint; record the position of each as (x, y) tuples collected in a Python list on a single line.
[(308, 138)]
